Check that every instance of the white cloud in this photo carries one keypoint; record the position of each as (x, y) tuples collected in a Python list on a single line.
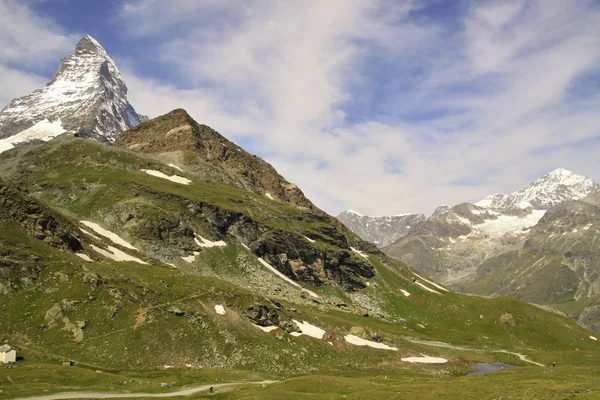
[(29, 43), (283, 77)]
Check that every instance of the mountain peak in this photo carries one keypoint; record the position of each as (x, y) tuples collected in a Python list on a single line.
[(89, 45), (551, 189), (87, 95)]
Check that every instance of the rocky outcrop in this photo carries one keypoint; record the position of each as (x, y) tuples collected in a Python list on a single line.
[(17, 206)]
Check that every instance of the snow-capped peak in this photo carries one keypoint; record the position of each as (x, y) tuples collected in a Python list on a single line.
[(89, 45), (354, 212), (551, 189), (87, 94)]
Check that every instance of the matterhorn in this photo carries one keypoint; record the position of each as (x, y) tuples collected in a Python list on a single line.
[(87, 96)]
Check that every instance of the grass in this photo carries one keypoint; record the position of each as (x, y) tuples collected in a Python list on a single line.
[(131, 331)]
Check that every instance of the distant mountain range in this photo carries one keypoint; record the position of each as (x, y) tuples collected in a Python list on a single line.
[(380, 230), (507, 244)]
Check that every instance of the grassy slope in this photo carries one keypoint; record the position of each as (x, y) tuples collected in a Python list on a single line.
[(82, 179)]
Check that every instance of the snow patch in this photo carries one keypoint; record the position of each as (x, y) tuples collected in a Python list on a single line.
[(432, 283), (593, 338), (191, 258), (107, 234), (43, 130), (172, 178), (404, 292), (89, 234), (244, 246), (266, 328), (427, 288), (360, 253), (117, 255), (308, 330), (587, 227), (269, 195), (175, 166), (309, 239), (200, 241), (357, 341), (84, 257), (219, 309), (425, 360), (282, 276)]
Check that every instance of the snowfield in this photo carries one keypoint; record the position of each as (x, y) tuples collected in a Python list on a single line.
[(266, 328), (200, 241), (308, 330), (427, 288), (425, 360), (43, 130), (116, 239), (84, 257), (357, 341), (172, 178), (117, 255)]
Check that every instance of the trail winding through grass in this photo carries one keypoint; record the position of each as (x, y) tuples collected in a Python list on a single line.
[(522, 357), (109, 395)]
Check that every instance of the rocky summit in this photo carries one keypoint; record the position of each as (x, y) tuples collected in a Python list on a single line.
[(86, 96)]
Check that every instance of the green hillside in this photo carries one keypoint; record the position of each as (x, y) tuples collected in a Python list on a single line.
[(199, 248)]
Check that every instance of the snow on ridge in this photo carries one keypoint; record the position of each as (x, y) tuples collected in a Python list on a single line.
[(354, 212), (43, 130)]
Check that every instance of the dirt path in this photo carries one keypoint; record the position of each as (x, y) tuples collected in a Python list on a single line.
[(108, 395), (453, 347)]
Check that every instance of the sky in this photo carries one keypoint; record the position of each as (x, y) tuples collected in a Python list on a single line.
[(383, 107)]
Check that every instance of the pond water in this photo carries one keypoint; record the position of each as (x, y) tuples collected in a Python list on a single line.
[(486, 368)]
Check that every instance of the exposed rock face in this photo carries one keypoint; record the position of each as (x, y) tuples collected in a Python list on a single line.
[(87, 96), (17, 206), (379, 230), (216, 158)]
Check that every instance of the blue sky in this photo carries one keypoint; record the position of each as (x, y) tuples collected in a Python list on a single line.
[(384, 107)]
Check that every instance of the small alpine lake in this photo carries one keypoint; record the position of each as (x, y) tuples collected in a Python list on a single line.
[(486, 368)]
